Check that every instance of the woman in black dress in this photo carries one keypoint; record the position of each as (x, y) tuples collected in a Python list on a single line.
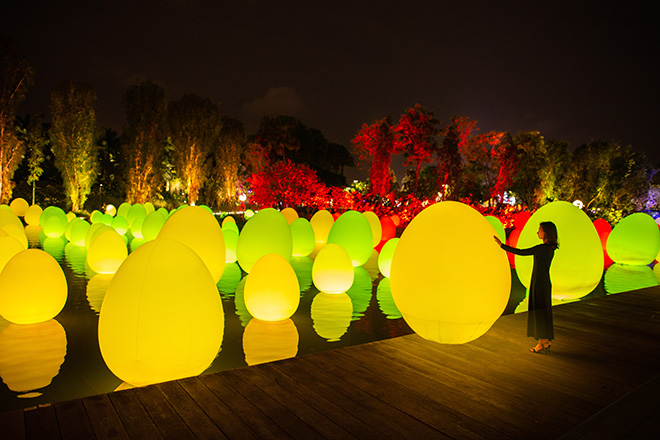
[(539, 316)]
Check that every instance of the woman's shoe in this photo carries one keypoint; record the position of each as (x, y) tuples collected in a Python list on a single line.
[(540, 348)]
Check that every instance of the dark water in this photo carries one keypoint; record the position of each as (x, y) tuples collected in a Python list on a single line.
[(61, 358)]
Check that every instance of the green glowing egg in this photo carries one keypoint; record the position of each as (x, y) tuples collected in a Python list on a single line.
[(135, 212), (352, 232), (577, 266), (625, 278), (385, 256), (152, 225), (55, 223), (120, 224), (333, 270), (322, 222), (149, 207), (96, 216), (79, 232), (634, 240), (497, 225), (197, 228), (123, 209), (231, 241), (302, 235), (136, 227), (267, 232), (230, 226)]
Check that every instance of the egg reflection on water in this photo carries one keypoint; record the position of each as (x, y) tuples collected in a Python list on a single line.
[(268, 341), (437, 283)]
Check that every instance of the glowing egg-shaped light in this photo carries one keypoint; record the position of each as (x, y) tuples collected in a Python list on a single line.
[(333, 270), (31, 356), (290, 214), (331, 315), (32, 233), (107, 219), (497, 226), (16, 231), (513, 242), (388, 227), (438, 288), (95, 216), (604, 230), (19, 206), (322, 222), (123, 210), (111, 210), (152, 225), (107, 252), (136, 243), (55, 223), (79, 232), (149, 207), (32, 215), (136, 227), (267, 232), (231, 242), (269, 341), (248, 214), (634, 240), (271, 291), (620, 278), (93, 231), (162, 317), (520, 219), (385, 301), (9, 247), (119, 224), (135, 212), (577, 266), (70, 215), (230, 226), (32, 288), (198, 229), (7, 217), (376, 228), (352, 232), (302, 235), (385, 257), (228, 219)]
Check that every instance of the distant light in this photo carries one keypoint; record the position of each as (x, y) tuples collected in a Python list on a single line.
[(242, 197), (579, 204)]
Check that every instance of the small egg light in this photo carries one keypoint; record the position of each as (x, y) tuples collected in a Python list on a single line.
[(32, 288), (385, 257), (162, 318), (19, 206), (322, 222), (290, 214), (302, 235), (634, 240), (437, 285), (271, 291), (107, 252), (231, 242), (267, 232), (32, 215), (353, 232), (79, 232), (332, 271)]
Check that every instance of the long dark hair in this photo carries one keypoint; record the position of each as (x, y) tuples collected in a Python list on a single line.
[(550, 231)]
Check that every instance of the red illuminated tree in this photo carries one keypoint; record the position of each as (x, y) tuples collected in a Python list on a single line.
[(375, 143), (416, 137), (286, 183)]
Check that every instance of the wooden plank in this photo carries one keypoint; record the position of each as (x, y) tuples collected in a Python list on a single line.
[(229, 423), (73, 421), (103, 417), (134, 417), (196, 419), (41, 422), (263, 426), (161, 412), (13, 424), (281, 415)]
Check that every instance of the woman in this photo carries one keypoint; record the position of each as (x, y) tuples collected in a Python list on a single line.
[(539, 317)]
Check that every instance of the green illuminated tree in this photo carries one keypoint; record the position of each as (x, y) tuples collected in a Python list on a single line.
[(35, 139), (227, 155), (16, 76), (194, 129), (145, 104), (73, 139)]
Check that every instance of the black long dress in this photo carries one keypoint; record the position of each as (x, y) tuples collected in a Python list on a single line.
[(539, 317)]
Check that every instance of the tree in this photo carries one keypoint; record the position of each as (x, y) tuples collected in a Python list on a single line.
[(227, 154), (375, 143), (532, 154), (16, 76), (286, 183), (506, 155), (450, 156), (145, 104), (73, 139), (279, 135), (194, 129), (416, 136), (35, 139)]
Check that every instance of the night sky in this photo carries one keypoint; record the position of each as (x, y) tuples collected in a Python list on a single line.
[(570, 70)]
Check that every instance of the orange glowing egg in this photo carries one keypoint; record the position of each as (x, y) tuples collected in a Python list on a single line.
[(290, 214), (19, 206), (322, 222)]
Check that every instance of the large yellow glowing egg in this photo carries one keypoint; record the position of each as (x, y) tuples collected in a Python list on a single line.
[(32, 215), (16, 231), (162, 317), (31, 356), (267, 232), (376, 228), (352, 232), (9, 247), (290, 214), (577, 266), (271, 291), (437, 283), (94, 231), (269, 341), (385, 256), (333, 270), (634, 240), (322, 222), (19, 206), (302, 235), (107, 252), (32, 288), (7, 217), (331, 315), (198, 229)]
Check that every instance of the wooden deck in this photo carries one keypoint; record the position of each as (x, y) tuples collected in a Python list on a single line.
[(601, 379)]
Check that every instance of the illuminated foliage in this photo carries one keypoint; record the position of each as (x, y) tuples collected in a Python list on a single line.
[(16, 76), (288, 184), (227, 154), (145, 104), (375, 143), (72, 136)]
